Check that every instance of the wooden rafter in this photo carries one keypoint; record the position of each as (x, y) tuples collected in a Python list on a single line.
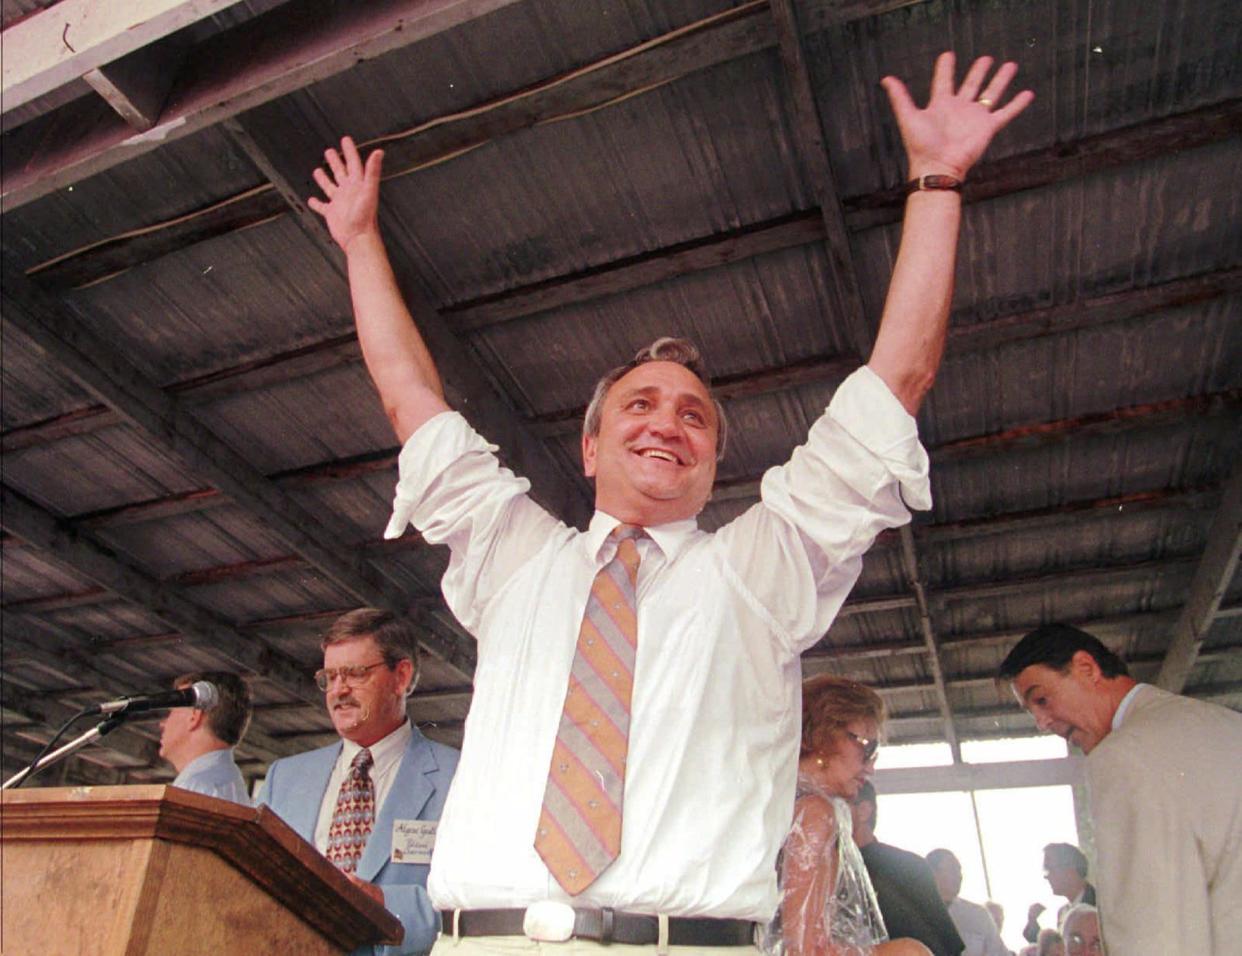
[(1107, 508), (305, 41), (1207, 589), (283, 50), (1036, 434), (55, 46)]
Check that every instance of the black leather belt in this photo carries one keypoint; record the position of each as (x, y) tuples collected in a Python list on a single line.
[(609, 926)]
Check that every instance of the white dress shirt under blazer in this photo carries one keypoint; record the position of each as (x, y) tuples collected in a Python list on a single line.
[(722, 620)]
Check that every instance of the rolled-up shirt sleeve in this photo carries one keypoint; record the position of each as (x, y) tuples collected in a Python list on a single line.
[(454, 490), (860, 471)]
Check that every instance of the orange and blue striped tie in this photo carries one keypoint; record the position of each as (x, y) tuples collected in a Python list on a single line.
[(579, 831)]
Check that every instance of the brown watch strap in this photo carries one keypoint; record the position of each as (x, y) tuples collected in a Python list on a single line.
[(933, 181)]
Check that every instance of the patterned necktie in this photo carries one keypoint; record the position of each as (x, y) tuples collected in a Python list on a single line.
[(580, 826), (354, 815)]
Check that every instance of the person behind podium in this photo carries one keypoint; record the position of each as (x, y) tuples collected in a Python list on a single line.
[(199, 743), (370, 802)]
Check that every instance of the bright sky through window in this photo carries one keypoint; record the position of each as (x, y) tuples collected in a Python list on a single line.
[(1015, 824)]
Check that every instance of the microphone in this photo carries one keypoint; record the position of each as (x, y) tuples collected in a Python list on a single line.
[(200, 695)]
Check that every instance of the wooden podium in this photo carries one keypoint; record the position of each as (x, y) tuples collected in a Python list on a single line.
[(158, 870)]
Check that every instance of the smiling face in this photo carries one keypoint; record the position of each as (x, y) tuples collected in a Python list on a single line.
[(1077, 704), (654, 459), (369, 708), (845, 769)]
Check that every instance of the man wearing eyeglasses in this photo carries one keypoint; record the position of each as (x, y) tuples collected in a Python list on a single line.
[(1081, 931), (1162, 778), (371, 801)]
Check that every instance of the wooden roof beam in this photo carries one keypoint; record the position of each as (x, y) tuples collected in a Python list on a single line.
[(1107, 508), (137, 86), (115, 380), (1037, 434), (343, 350), (1211, 581), (813, 152), (285, 49), (303, 42), (978, 337), (53, 47), (923, 611)]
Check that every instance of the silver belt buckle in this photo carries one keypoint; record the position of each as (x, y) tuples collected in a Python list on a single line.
[(549, 921)]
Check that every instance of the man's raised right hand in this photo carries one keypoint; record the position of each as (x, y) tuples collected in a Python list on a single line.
[(352, 191)]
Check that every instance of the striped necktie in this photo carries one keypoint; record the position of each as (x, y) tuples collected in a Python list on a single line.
[(354, 815), (579, 831)]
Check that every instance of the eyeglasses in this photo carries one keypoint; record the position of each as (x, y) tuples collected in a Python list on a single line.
[(869, 745), (350, 673), (1077, 946)]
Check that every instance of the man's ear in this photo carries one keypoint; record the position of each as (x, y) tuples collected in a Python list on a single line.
[(589, 443), (1086, 666), (197, 717), (405, 674)]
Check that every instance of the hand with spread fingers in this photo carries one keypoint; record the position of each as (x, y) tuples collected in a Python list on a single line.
[(352, 191), (949, 135)]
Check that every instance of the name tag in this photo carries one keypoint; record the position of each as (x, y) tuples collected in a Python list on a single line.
[(413, 840)]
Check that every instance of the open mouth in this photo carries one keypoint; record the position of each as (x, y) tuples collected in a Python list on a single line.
[(659, 454)]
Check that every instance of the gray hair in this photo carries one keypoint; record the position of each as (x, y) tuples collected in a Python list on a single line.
[(1078, 909), (665, 349)]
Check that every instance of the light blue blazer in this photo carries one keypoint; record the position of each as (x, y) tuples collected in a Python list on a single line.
[(295, 789)]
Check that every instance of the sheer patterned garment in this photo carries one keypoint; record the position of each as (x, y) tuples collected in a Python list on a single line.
[(828, 907)]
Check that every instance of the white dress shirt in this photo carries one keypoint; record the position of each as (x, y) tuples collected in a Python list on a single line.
[(722, 620), (214, 773), (977, 929), (386, 758)]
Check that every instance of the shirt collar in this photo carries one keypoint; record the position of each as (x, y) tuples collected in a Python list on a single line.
[(1120, 713), (203, 762), (384, 752), (670, 538)]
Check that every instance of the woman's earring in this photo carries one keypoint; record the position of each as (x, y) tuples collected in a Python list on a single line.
[(819, 761)]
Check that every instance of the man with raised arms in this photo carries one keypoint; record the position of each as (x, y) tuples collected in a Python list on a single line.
[(629, 759)]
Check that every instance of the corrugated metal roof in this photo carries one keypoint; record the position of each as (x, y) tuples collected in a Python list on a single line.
[(1078, 465)]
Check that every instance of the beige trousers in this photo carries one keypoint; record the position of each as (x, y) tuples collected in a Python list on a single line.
[(446, 945)]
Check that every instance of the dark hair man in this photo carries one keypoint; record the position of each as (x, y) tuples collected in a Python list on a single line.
[(904, 885), (1162, 781), (605, 655), (370, 801), (974, 923), (1065, 869), (199, 743)]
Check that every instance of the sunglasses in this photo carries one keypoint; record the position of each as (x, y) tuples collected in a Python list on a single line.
[(869, 745)]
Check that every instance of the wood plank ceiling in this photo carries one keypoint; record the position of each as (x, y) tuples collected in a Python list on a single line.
[(196, 471)]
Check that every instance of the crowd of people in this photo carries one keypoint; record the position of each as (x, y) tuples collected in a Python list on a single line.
[(641, 765)]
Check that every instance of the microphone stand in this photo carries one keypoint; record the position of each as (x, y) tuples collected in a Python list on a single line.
[(102, 729)]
